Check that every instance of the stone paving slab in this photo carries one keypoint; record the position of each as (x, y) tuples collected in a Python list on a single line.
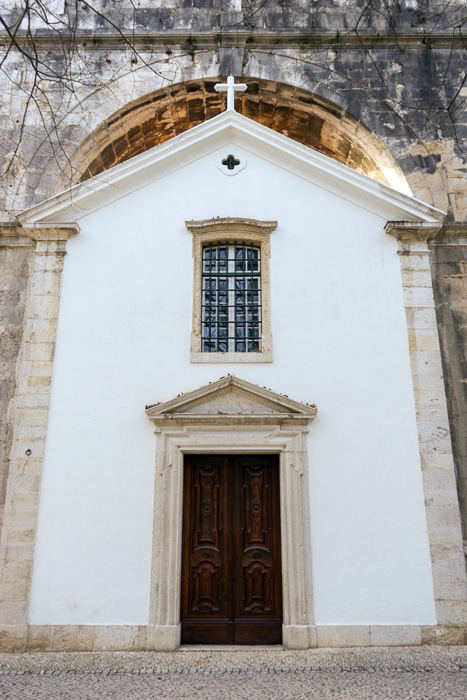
[(413, 659), (298, 685), (318, 674)]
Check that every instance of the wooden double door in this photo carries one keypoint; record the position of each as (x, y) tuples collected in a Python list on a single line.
[(231, 555)]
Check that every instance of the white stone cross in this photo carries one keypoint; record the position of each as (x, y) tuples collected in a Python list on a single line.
[(230, 88)]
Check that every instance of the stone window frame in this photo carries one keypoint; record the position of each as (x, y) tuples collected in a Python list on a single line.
[(231, 230)]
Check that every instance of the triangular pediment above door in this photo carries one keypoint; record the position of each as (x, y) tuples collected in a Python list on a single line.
[(231, 397)]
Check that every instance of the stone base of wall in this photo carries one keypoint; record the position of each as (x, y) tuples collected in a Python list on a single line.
[(138, 638)]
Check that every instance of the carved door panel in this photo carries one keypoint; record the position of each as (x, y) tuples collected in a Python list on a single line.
[(257, 606), (206, 609), (231, 565)]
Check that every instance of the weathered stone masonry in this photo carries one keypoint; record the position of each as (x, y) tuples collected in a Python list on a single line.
[(439, 480), (15, 257), (28, 411), (449, 268)]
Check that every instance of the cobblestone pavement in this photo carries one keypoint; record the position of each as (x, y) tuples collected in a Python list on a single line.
[(347, 674)]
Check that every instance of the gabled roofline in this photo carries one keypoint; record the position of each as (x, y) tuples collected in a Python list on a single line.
[(223, 122), (175, 406)]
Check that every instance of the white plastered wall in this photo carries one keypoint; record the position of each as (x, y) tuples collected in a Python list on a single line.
[(339, 340)]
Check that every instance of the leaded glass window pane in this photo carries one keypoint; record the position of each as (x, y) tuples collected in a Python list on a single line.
[(231, 298)]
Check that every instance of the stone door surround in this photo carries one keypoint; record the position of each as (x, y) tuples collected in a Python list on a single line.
[(226, 417)]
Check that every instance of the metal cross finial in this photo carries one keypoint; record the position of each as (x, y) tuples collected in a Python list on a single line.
[(230, 88)]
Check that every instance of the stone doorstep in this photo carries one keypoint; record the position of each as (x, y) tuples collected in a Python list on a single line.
[(229, 648)]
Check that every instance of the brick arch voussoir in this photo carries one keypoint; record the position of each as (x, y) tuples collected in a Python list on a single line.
[(292, 111)]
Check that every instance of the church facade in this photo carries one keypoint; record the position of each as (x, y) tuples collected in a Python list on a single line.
[(230, 417)]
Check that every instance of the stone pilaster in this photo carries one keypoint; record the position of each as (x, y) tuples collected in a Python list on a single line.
[(439, 478), (29, 412), (16, 252), (449, 268)]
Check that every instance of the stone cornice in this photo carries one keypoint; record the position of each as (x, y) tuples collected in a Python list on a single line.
[(9, 229), (413, 231), (452, 236), (13, 235), (179, 421), (231, 223), (237, 38), (54, 231), (25, 236)]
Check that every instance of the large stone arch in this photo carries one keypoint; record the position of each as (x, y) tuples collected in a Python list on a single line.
[(293, 111)]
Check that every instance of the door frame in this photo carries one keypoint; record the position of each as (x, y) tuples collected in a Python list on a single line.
[(285, 435)]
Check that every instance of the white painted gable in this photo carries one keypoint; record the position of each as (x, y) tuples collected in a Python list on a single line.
[(228, 131)]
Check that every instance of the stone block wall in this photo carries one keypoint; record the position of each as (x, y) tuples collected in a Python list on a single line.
[(16, 253), (27, 416), (449, 270)]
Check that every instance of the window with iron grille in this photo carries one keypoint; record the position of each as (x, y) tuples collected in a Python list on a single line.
[(231, 298)]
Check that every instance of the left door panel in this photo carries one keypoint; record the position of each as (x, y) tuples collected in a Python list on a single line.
[(206, 596)]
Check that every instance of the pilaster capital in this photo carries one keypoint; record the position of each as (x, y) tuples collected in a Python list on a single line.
[(51, 232), (413, 231), (413, 236)]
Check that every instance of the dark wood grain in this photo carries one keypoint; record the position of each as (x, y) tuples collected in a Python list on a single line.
[(231, 558)]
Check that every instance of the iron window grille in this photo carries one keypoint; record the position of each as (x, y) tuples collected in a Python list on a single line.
[(231, 298)]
